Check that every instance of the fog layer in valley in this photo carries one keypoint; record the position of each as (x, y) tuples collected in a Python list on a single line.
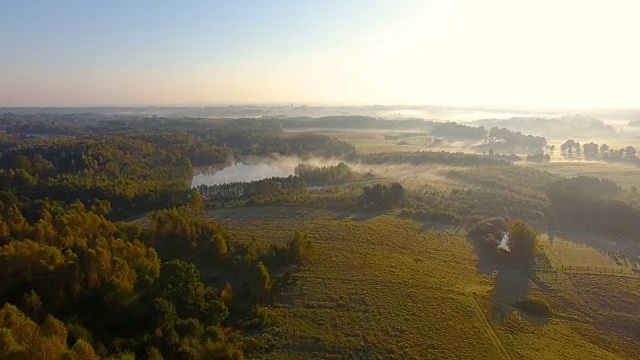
[(255, 168)]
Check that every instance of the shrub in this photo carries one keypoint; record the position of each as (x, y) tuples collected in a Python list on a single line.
[(262, 280), (534, 305), (303, 250)]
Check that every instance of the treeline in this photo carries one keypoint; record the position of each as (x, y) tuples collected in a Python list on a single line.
[(579, 125), (304, 145), (241, 136), (434, 157), (453, 130), (496, 139), (595, 205), (593, 151), (381, 196), (539, 156), (44, 124), (277, 186), (356, 122), (281, 189), (328, 175), (499, 138)]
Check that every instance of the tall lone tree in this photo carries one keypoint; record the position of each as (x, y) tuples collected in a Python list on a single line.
[(522, 242), (568, 146)]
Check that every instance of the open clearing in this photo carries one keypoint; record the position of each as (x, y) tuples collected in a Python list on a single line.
[(374, 141), (574, 256), (624, 175), (381, 288), (377, 289)]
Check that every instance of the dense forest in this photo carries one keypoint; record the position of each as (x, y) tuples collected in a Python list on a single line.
[(80, 281), (241, 136)]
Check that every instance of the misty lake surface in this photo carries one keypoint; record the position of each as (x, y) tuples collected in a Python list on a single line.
[(242, 172)]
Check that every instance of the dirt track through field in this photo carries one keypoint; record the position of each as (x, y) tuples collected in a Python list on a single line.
[(567, 284), (487, 325)]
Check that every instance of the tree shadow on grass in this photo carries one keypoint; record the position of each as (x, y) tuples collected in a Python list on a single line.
[(427, 226), (284, 282), (487, 256), (513, 281), (362, 215), (511, 285)]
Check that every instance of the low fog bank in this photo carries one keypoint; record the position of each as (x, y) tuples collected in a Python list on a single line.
[(290, 110), (537, 121), (446, 113), (252, 168), (413, 176), (556, 127), (552, 123), (569, 126)]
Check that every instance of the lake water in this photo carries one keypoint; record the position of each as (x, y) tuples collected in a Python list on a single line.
[(241, 172)]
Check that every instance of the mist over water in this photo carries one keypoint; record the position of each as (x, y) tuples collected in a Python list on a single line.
[(253, 168)]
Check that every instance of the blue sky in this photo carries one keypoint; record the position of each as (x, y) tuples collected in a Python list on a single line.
[(492, 52), (89, 32)]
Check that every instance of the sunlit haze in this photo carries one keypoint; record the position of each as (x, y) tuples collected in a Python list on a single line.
[(492, 52)]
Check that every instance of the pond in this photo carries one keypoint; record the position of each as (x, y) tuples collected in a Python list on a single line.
[(243, 172)]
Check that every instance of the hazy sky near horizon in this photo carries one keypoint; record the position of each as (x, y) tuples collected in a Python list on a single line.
[(440, 52)]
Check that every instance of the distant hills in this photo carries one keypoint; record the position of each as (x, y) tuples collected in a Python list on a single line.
[(286, 110), (575, 125), (550, 124)]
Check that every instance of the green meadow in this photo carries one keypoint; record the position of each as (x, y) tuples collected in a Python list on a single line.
[(384, 287), (623, 174)]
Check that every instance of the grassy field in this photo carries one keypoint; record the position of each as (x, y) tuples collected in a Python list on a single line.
[(377, 289), (373, 141), (581, 257), (383, 288), (624, 175), (416, 176), (596, 293)]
